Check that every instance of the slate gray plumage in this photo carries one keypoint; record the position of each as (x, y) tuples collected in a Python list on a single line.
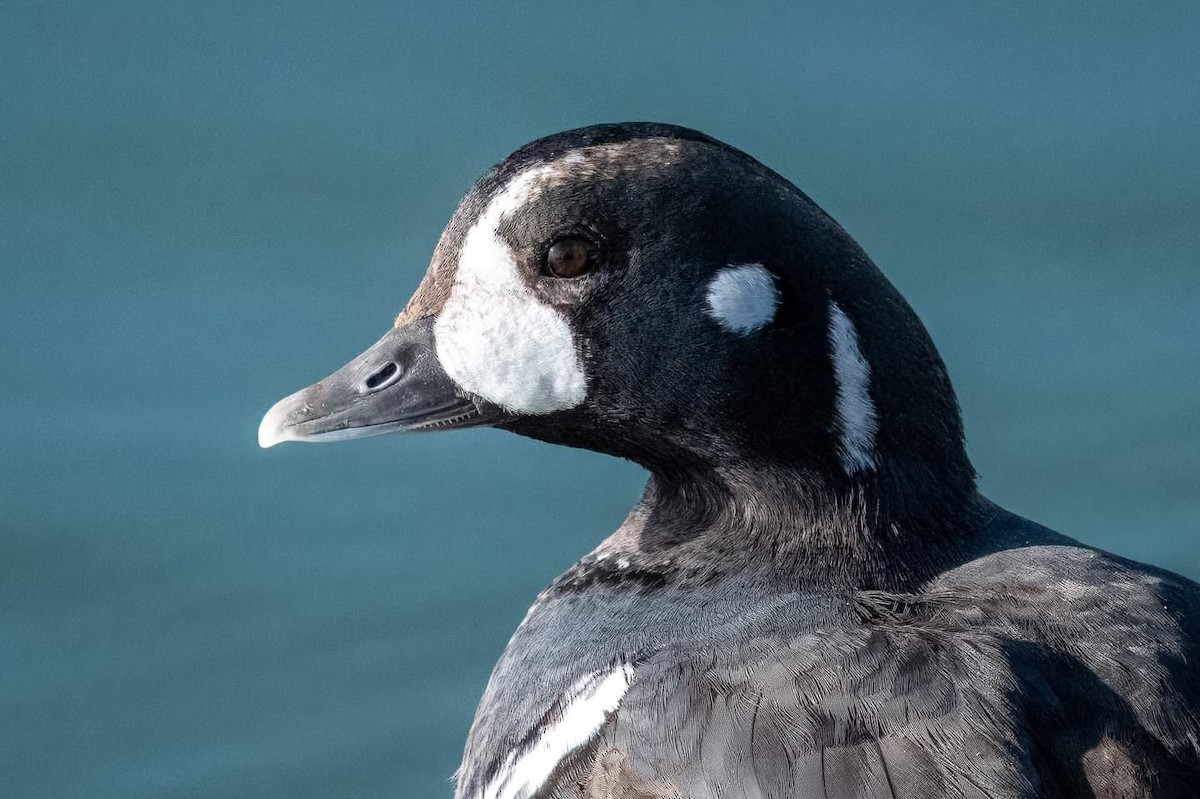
[(790, 627), (1040, 669)]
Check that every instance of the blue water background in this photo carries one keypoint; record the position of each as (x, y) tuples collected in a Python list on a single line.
[(204, 206)]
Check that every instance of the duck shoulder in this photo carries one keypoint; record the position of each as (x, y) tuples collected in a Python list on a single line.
[(1038, 670)]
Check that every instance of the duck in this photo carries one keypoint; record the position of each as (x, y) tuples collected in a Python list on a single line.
[(811, 597)]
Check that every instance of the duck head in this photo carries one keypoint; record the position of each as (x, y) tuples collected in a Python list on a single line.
[(646, 291)]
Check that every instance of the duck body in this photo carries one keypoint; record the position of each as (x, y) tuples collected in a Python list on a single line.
[(811, 598), (1035, 668)]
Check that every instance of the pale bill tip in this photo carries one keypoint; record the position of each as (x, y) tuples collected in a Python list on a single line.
[(271, 430)]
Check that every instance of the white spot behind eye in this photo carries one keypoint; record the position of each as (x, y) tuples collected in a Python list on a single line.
[(495, 338), (743, 298), (855, 411)]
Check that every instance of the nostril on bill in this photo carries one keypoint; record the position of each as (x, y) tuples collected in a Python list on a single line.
[(383, 376)]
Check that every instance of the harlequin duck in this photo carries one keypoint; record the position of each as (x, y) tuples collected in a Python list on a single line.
[(811, 599)]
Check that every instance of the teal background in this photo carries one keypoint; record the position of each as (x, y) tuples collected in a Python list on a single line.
[(204, 206)]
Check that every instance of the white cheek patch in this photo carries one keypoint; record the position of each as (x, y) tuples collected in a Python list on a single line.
[(494, 337), (743, 298), (583, 711), (855, 412)]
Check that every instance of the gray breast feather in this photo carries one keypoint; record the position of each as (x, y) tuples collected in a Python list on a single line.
[(1044, 672), (845, 713)]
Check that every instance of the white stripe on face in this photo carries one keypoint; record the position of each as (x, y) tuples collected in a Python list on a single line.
[(494, 338), (743, 298), (585, 708), (855, 412)]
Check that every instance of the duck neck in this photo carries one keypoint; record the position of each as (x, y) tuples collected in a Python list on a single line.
[(870, 531)]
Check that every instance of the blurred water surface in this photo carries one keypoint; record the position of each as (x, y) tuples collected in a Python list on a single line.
[(204, 206)]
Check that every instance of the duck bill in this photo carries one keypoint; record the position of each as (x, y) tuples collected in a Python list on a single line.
[(396, 386)]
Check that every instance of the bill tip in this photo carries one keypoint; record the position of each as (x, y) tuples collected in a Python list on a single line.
[(271, 430)]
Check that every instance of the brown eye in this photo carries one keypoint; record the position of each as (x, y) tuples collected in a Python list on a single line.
[(568, 258)]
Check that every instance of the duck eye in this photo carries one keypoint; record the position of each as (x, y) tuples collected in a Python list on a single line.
[(568, 257)]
